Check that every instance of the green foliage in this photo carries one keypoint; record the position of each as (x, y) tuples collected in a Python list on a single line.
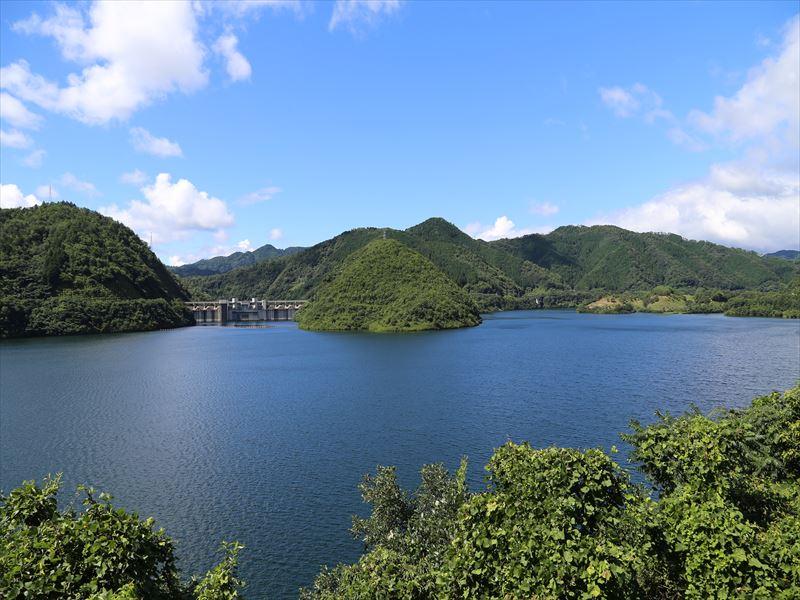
[(386, 286), (66, 270), (563, 523), (102, 552), (569, 267), (557, 523), (221, 582)]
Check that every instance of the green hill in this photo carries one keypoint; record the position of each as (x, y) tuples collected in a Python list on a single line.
[(65, 269), (614, 259), (223, 264), (570, 266), (386, 286), (785, 254), (489, 274)]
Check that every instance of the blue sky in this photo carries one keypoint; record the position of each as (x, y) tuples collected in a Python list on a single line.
[(217, 126)]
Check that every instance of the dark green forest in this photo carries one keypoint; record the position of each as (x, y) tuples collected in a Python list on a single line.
[(386, 286), (711, 509), (65, 270), (570, 267)]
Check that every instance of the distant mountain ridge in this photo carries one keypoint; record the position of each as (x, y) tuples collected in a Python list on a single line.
[(223, 264), (785, 254), (564, 267)]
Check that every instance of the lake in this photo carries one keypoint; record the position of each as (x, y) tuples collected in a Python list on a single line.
[(263, 434)]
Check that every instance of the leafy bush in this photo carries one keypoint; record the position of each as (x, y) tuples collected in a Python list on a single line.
[(100, 553), (720, 519)]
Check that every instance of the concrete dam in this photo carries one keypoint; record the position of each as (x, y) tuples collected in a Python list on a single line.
[(233, 310)]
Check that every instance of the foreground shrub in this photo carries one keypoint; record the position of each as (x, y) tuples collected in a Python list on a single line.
[(102, 552)]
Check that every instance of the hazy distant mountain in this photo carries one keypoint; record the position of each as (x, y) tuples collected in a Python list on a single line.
[(785, 254), (223, 264), (570, 260)]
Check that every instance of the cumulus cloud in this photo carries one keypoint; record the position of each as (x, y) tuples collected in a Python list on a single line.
[(275, 234), (236, 64), (144, 141), (260, 195), (135, 177), (170, 210), (503, 228), (769, 101), (132, 54), (753, 202), (735, 205), (544, 208), (358, 15), (637, 100), (16, 114), (34, 159), (14, 139), (68, 180), (12, 197)]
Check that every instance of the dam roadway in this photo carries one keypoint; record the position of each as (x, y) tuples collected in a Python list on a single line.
[(233, 310)]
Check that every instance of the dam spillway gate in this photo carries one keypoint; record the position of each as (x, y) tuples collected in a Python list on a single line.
[(233, 310)]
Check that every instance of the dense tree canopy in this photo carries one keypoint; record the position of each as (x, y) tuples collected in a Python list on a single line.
[(718, 518), (386, 286), (65, 269)]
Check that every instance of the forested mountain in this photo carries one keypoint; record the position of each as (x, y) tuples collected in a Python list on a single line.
[(223, 264), (615, 259), (569, 266), (785, 254), (65, 269), (386, 286)]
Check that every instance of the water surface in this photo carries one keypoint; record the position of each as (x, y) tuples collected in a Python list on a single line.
[(262, 434)]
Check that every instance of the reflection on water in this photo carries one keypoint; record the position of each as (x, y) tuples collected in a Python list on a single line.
[(261, 432)]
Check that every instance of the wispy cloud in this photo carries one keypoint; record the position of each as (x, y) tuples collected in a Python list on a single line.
[(144, 141), (357, 16), (261, 195), (236, 64)]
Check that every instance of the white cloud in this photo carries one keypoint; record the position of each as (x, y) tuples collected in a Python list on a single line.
[(135, 177), (735, 205), (358, 15), (68, 180), (241, 8), (767, 104), (132, 55), (16, 114), (14, 139), (637, 100), (544, 208), (235, 63), (275, 234), (170, 210), (680, 137), (144, 141), (12, 197), (260, 195), (34, 159), (503, 228)]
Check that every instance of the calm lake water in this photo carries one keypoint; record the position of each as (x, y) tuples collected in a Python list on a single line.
[(262, 434)]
